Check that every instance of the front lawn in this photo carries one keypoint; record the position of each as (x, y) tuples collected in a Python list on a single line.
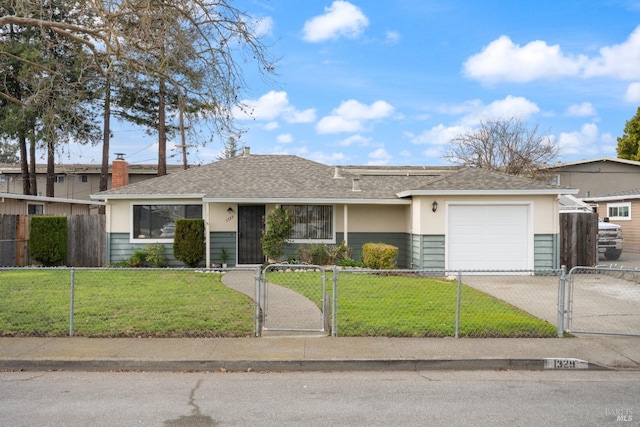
[(122, 303), (411, 306)]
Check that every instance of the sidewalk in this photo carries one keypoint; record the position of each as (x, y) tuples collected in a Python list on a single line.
[(317, 353)]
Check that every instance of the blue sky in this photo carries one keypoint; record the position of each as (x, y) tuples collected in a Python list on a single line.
[(391, 82)]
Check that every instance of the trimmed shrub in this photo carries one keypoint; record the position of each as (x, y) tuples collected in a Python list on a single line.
[(379, 256), (188, 241), (48, 239)]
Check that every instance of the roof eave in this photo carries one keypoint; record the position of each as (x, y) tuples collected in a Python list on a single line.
[(612, 198), (531, 192), (317, 201), (144, 196)]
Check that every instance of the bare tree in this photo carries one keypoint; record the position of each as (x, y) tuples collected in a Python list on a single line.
[(504, 145)]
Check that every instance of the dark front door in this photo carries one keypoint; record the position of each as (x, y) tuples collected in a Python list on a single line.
[(249, 233)]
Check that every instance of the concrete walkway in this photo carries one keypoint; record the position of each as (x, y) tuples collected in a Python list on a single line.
[(318, 354), (288, 312)]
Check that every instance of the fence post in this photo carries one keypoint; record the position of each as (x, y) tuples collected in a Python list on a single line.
[(458, 305), (561, 295), (71, 302), (257, 314), (334, 303)]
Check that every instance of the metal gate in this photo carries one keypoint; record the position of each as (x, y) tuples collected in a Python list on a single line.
[(295, 299), (603, 301)]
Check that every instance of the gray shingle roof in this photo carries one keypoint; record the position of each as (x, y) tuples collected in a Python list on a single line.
[(292, 177)]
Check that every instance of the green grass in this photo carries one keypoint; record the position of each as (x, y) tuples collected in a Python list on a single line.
[(401, 306), (122, 303)]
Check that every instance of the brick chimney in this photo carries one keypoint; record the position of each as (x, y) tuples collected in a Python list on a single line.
[(119, 172)]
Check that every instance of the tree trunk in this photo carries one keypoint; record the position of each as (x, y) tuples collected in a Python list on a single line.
[(50, 168), (33, 179), (24, 164), (162, 131), (183, 137)]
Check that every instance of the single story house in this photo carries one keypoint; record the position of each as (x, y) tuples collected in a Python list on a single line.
[(438, 217), (619, 207)]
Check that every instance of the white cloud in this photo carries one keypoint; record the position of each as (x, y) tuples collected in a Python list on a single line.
[(581, 110), (340, 19), (285, 138), (438, 135), (503, 60), (379, 157), (621, 61), (351, 115), (271, 126), (511, 106), (271, 106), (633, 93), (358, 140), (263, 26), (474, 111), (580, 142), (392, 37), (336, 124)]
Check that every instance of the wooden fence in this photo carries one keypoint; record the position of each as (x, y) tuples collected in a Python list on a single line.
[(578, 239), (85, 244)]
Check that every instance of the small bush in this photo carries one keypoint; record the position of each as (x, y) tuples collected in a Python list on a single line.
[(379, 256), (48, 239), (350, 262), (188, 242), (151, 256), (322, 254)]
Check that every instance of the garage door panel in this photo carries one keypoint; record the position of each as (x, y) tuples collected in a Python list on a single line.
[(493, 237)]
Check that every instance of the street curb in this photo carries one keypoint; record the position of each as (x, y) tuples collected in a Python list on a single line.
[(279, 365)]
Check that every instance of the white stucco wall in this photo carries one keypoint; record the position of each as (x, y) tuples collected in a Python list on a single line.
[(425, 221)]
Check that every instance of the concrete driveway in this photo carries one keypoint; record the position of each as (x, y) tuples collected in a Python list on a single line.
[(601, 301)]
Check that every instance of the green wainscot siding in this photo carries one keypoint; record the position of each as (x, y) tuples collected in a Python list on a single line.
[(546, 251), (427, 251), (119, 249), (221, 240)]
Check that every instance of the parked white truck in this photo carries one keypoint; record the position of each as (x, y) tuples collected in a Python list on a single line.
[(609, 240)]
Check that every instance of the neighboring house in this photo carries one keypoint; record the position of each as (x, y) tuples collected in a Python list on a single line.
[(619, 208), (18, 204), (76, 181), (597, 177), (438, 217)]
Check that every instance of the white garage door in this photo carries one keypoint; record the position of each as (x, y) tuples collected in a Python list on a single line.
[(488, 237)]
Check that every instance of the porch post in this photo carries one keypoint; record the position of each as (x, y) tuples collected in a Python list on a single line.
[(207, 236), (346, 225)]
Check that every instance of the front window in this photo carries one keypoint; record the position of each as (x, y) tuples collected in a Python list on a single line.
[(311, 222), (619, 211), (158, 221)]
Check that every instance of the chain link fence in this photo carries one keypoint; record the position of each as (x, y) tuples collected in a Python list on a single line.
[(603, 301), (122, 303)]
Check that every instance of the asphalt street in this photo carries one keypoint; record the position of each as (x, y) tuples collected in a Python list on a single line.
[(438, 398)]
